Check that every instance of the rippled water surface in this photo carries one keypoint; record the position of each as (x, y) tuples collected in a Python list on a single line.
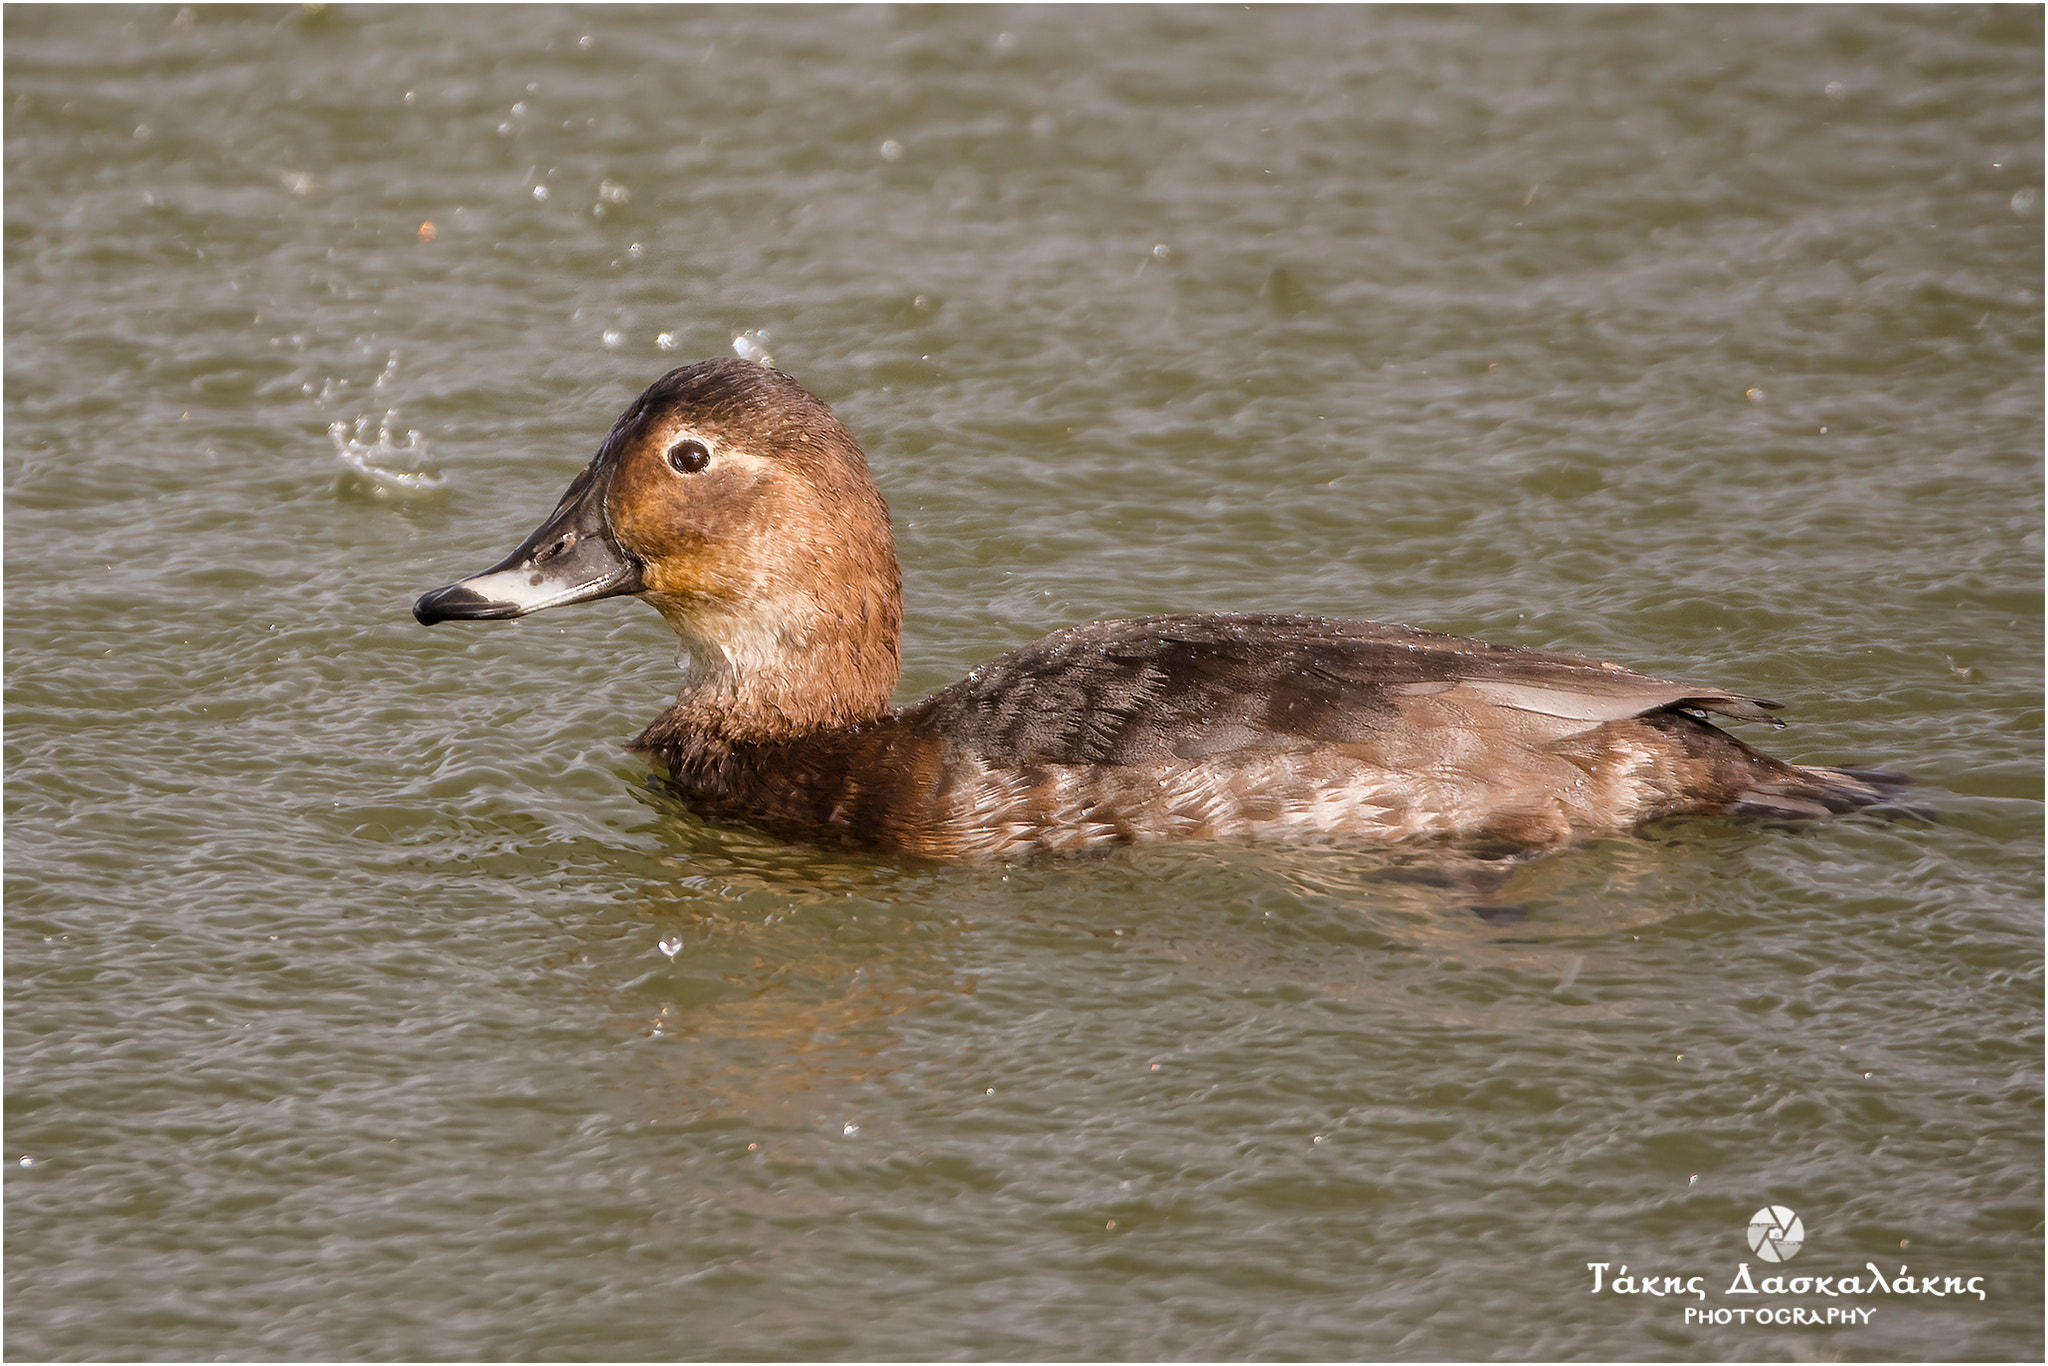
[(339, 1018)]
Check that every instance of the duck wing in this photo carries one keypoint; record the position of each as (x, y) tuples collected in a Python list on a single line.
[(1185, 688)]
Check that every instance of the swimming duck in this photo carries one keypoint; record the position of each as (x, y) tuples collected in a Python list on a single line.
[(739, 506)]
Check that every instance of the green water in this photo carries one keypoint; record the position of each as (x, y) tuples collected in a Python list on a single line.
[(339, 1023)]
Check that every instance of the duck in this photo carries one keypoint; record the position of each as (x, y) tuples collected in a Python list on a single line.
[(739, 506)]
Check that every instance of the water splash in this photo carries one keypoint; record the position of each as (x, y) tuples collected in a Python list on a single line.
[(383, 468), (753, 346)]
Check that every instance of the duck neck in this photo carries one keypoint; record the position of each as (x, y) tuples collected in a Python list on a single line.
[(822, 660)]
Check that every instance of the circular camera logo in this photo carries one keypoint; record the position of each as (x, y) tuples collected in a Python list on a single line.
[(1775, 1234)]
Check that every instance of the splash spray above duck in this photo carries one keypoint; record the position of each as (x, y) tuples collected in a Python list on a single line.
[(735, 502)]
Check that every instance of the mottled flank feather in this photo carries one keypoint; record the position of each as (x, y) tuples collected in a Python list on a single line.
[(1266, 727)]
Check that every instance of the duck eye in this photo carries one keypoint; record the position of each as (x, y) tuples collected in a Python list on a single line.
[(688, 457)]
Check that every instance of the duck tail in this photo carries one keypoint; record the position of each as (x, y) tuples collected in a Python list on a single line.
[(1804, 791)]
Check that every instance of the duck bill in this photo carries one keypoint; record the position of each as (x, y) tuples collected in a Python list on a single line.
[(571, 557)]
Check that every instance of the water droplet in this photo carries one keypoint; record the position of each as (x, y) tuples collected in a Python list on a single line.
[(666, 341), (753, 346), (28, 1162), (2023, 202), (671, 947), (851, 1129), (1835, 90), (892, 150), (613, 337), (540, 192)]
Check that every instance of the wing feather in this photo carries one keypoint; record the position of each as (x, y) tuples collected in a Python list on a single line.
[(1154, 689)]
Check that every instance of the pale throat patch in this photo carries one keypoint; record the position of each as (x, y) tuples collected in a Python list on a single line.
[(731, 647)]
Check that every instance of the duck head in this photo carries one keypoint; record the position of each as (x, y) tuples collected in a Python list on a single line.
[(735, 503)]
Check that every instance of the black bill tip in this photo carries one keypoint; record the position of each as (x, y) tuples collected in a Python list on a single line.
[(459, 602)]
